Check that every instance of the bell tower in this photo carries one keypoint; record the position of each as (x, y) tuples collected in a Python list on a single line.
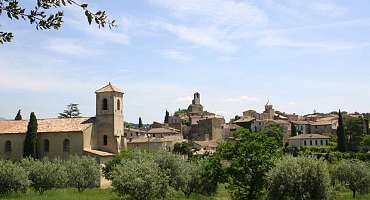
[(109, 129)]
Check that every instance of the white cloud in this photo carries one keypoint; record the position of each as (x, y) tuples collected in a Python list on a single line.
[(329, 8), (70, 47), (175, 55), (242, 99), (277, 41), (211, 23), (185, 99)]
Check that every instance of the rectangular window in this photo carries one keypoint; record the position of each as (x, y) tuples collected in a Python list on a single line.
[(322, 143), (311, 142)]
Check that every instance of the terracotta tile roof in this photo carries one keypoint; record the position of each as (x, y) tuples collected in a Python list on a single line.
[(309, 136), (99, 153), (47, 125), (156, 139), (109, 88), (209, 143), (163, 130)]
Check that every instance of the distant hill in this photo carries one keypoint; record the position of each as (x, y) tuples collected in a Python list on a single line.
[(2, 118)]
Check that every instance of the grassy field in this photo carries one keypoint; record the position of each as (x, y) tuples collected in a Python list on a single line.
[(98, 194)]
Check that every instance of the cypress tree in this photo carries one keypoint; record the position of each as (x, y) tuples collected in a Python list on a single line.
[(166, 117), (140, 123), (19, 116), (341, 140), (293, 130), (30, 143)]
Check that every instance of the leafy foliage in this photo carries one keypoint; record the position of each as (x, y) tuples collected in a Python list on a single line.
[(82, 172), (45, 175), (246, 162), (293, 130), (18, 116), (182, 148), (299, 178), (166, 117), (140, 180), (340, 134), (71, 111), (355, 175), (43, 17), (275, 131), (30, 143), (13, 178)]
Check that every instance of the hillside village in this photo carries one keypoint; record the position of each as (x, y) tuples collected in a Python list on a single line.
[(105, 135)]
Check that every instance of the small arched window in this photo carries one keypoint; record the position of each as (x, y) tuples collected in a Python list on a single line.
[(105, 104), (8, 146), (66, 145), (118, 104), (46, 145), (105, 140)]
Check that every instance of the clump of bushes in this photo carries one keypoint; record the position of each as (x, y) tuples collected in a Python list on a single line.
[(127, 169), (299, 178), (43, 175), (13, 178)]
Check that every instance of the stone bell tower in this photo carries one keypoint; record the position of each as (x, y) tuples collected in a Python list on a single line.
[(109, 129)]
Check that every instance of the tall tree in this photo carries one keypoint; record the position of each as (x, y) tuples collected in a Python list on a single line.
[(140, 123), (293, 130), (366, 124), (30, 143), (71, 111), (341, 138), (166, 117), (19, 116), (48, 14)]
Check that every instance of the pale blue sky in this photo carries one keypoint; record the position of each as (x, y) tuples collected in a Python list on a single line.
[(299, 54)]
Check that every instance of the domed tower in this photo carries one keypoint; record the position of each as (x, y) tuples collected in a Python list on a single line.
[(109, 129)]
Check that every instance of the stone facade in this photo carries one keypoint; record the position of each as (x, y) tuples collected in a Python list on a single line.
[(100, 136)]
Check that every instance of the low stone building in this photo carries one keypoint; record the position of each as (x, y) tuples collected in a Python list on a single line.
[(100, 136), (303, 140), (163, 138)]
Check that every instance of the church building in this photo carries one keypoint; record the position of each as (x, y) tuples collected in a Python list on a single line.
[(101, 136)]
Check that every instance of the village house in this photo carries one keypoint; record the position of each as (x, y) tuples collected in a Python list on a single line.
[(303, 140)]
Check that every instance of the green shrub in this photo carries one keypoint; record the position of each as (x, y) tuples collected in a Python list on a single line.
[(45, 175), (139, 180), (13, 178), (299, 178), (82, 172), (353, 174)]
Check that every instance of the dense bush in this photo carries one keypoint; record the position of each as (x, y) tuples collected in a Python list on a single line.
[(353, 174), (45, 175), (13, 178), (299, 178), (337, 156), (82, 172), (140, 180), (210, 175)]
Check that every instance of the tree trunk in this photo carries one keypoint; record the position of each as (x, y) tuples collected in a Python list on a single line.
[(354, 193)]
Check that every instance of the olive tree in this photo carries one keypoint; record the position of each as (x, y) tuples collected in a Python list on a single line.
[(190, 177), (82, 172), (354, 174), (45, 175), (246, 162), (139, 180), (13, 178), (299, 178)]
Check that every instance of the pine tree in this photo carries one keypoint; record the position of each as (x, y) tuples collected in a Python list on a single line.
[(293, 130), (19, 116), (71, 111), (341, 140), (30, 143), (166, 117), (140, 123)]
